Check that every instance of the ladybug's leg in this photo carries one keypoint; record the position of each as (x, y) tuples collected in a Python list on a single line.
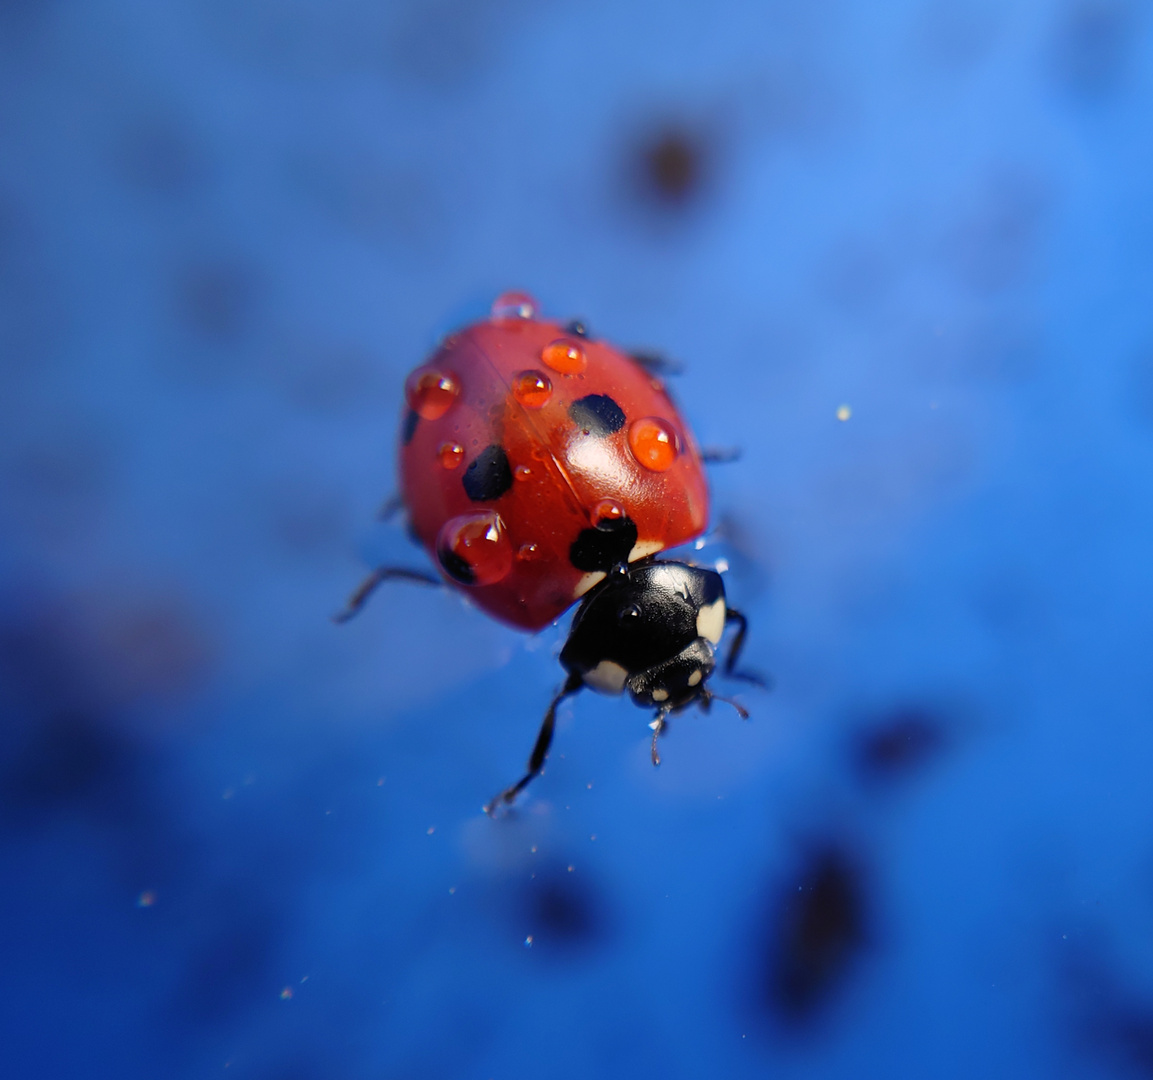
[(708, 697), (656, 364), (658, 726), (539, 750), (369, 585), (390, 507), (720, 455), (732, 615)]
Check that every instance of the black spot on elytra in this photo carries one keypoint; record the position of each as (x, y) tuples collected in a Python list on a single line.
[(456, 567), (489, 476), (577, 329), (597, 414), (897, 746), (605, 546), (408, 428), (819, 932)]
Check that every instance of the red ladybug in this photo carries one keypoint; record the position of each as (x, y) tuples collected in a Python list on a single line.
[(539, 467)]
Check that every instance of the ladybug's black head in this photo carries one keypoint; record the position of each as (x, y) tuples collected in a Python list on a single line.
[(651, 630)]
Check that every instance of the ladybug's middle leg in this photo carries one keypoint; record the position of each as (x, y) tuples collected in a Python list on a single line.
[(734, 654), (370, 584), (540, 749)]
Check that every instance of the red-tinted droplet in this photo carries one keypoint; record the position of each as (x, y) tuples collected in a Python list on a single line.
[(514, 305), (521, 472), (480, 543), (527, 552), (430, 393), (532, 389), (653, 442), (607, 510), (451, 454), (565, 355)]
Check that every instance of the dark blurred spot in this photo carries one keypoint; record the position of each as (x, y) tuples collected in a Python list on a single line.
[(232, 972), (993, 246), (1092, 46), (672, 167), (898, 746), (216, 300), (562, 909), (818, 933), (157, 155), (65, 762), (1111, 1019)]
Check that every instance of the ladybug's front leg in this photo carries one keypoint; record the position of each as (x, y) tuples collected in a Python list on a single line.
[(540, 750)]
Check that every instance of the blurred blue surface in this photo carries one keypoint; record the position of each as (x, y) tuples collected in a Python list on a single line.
[(233, 836)]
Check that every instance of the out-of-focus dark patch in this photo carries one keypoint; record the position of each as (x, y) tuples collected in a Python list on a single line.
[(65, 762), (158, 155), (1110, 1019), (563, 911), (819, 929), (216, 300), (898, 745), (232, 971), (672, 167), (1091, 49)]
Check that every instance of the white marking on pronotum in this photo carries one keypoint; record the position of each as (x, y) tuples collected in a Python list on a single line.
[(660, 695), (711, 621), (695, 677), (587, 581), (606, 678), (644, 547)]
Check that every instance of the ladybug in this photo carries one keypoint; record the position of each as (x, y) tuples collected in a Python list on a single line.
[(539, 468)]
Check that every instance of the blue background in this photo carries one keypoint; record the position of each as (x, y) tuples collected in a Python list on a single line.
[(235, 838)]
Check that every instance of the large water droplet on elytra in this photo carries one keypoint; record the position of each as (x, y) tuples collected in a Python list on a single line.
[(514, 305), (532, 389), (450, 454), (565, 355), (474, 549), (431, 393), (653, 442)]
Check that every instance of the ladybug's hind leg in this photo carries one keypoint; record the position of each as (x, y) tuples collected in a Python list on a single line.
[(370, 584), (540, 749)]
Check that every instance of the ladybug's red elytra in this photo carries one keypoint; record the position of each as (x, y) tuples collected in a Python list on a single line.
[(539, 467)]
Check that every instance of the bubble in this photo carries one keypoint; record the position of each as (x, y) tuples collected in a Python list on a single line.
[(514, 305), (565, 355), (430, 394), (474, 549), (528, 552), (607, 510), (450, 454), (653, 442), (521, 472), (532, 389)]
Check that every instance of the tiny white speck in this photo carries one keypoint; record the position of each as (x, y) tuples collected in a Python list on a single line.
[(430, 830), (571, 868), (528, 942), (844, 412), (721, 566), (451, 890), (653, 725)]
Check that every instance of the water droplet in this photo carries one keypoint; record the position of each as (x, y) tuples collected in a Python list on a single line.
[(514, 305), (451, 454), (653, 442), (527, 551), (521, 472), (565, 355), (474, 549), (430, 393), (607, 510), (532, 389)]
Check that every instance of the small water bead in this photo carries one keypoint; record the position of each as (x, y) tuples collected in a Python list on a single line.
[(521, 472), (532, 389), (565, 355), (450, 454), (527, 552), (474, 549), (430, 393), (607, 510), (514, 305), (653, 442)]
